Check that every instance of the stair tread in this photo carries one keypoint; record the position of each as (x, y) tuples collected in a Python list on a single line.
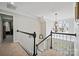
[(51, 52)]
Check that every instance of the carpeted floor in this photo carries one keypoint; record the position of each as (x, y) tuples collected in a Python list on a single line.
[(11, 49)]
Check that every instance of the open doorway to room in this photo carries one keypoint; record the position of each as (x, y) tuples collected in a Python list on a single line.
[(7, 26)]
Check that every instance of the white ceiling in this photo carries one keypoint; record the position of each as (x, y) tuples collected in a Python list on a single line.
[(34, 9), (43, 8)]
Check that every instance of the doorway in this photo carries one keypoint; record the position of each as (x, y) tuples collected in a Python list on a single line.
[(7, 26)]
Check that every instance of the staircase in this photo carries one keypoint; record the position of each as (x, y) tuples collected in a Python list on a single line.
[(57, 48)]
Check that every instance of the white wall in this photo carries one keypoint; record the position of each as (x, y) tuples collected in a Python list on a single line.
[(77, 39), (42, 46)]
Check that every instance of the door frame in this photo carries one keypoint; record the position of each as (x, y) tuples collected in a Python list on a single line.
[(3, 21)]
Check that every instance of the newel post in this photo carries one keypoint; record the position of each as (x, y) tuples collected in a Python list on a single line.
[(34, 47), (51, 40)]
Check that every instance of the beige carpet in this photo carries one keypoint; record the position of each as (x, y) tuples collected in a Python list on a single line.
[(11, 49)]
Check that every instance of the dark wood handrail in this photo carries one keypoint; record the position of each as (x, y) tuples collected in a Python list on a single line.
[(25, 32), (55, 33), (64, 34), (42, 40)]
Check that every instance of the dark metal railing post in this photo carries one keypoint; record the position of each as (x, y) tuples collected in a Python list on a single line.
[(34, 50), (51, 40)]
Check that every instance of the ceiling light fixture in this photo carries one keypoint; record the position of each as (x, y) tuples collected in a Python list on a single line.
[(12, 3)]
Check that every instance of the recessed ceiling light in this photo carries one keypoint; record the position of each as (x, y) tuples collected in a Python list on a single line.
[(12, 3)]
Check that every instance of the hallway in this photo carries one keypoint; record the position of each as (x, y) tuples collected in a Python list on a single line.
[(8, 39)]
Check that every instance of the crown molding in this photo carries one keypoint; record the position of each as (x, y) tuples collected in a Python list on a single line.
[(16, 13)]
